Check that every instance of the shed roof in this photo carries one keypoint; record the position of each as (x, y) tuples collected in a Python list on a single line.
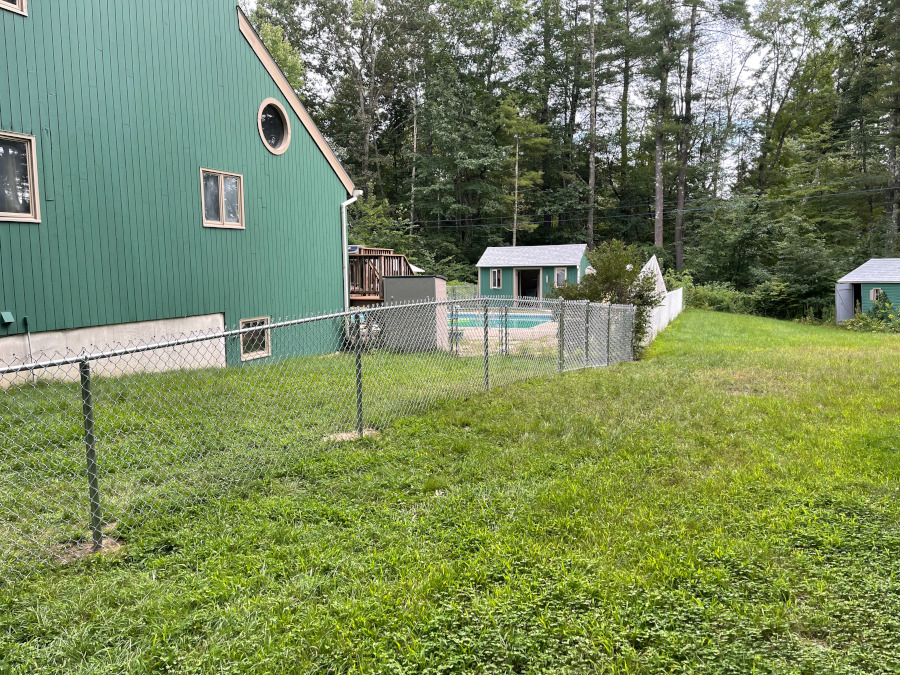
[(876, 270), (532, 256)]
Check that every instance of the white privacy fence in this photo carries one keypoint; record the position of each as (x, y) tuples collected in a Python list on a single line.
[(665, 313)]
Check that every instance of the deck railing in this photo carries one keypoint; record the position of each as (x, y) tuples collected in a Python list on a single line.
[(367, 270)]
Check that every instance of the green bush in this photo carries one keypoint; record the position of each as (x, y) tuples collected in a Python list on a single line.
[(773, 298), (881, 318), (617, 279), (719, 297)]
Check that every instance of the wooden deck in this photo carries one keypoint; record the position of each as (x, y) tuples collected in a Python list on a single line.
[(367, 267)]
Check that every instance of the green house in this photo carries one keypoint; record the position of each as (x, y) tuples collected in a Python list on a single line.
[(158, 175), (860, 288), (530, 271)]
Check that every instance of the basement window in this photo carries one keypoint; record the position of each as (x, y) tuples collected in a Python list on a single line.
[(18, 6), (255, 343), (18, 178), (561, 274), (496, 278), (223, 199)]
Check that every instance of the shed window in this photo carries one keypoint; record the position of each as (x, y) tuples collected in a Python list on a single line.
[(274, 126), (873, 294), (223, 199), (20, 6), (561, 274), (496, 278), (255, 343), (18, 178)]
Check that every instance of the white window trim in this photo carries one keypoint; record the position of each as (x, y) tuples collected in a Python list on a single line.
[(556, 271), (35, 215), (221, 224), (499, 272), (21, 7), (268, 333), (286, 141), (873, 293)]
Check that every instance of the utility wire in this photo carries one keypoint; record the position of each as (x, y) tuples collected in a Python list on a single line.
[(752, 203), (431, 223)]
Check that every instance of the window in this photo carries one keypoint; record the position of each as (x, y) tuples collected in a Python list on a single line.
[(561, 274), (873, 294), (274, 126), (20, 6), (496, 278), (18, 178), (255, 342), (223, 199)]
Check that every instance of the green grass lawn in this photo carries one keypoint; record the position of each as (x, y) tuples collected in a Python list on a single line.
[(729, 504)]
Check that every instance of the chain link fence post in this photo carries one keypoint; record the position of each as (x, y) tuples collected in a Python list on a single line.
[(587, 333), (357, 346), (455, 337), (561, 336), (487, 380), (608, 329), (87, 410)]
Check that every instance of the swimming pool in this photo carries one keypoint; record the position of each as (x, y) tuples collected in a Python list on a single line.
[(476, 320)]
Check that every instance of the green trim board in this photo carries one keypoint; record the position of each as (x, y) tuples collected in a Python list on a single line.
[(127, 101)]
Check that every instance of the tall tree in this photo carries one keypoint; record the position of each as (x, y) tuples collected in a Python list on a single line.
[(592, 142)]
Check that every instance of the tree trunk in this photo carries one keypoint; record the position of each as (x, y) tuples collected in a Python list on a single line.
[(626, 83), (660, 139), (684, 144), (592, 143), (893, 211), (412, 184)]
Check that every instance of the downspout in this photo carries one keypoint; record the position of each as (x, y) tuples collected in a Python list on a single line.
[(344, 255)]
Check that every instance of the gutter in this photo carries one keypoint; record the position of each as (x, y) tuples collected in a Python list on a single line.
[(344, 255)]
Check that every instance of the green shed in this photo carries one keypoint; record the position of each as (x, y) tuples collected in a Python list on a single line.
[(860, 288), (158, 175), (530, 271)]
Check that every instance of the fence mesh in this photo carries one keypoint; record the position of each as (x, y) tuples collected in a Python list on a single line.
[(95, 442)]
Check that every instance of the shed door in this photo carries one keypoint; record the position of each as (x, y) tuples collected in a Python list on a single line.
[(843, 301)]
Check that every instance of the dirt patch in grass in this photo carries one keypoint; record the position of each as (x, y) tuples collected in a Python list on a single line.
[(349, 436), (74, 551)]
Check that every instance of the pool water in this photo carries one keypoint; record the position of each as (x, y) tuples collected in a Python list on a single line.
[(475, 320)]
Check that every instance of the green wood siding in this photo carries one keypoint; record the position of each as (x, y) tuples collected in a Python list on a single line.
[(547, 277), (127, 100), (891, 290), (484, 282)]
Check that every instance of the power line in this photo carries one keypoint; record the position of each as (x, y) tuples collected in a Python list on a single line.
[(486, 220), (753, 203)]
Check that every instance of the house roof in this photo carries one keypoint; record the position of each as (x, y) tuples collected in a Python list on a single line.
[(256, 44), (876, 270), (532, 256)]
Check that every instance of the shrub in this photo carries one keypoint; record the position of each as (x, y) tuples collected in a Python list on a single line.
[(719, 297), (772, 298), (617, 279), (881, 318)]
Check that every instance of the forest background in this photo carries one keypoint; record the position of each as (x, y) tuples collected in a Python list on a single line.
[(750, 145)]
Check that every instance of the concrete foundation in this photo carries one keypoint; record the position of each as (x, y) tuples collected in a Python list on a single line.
[(50, 345)]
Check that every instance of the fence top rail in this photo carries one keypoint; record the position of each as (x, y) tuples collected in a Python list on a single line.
[(86, 356)]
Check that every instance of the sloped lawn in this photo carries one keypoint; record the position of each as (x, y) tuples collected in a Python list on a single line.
[(729, 504)]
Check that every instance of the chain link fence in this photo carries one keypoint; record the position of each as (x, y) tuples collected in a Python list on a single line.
[(462, 291), (95, 442)]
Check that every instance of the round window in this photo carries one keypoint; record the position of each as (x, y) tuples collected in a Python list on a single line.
[(274, 127)]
